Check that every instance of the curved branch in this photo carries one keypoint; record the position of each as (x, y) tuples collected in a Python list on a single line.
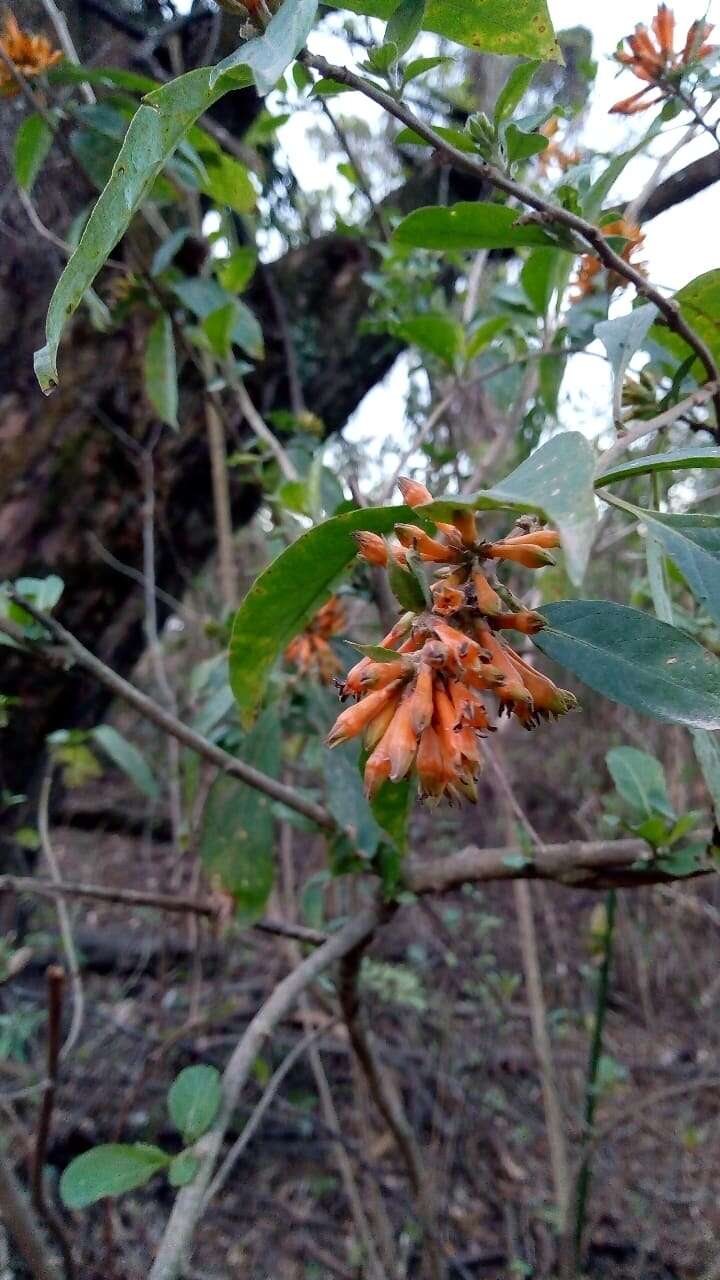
[(189, 1201)]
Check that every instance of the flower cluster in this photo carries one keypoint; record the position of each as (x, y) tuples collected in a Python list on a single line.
[(653, 58), (590, 266), (422, 702), (30, 55), (310, 651)]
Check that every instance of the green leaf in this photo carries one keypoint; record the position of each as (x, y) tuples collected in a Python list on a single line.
[(374, 651), (290, 591), (538, 278), (102, 77), (640, 780), (556, 480), (405, 24), (218, 328), (521, 28), (347, 801), (160, 370), (236, 272), (391, 807), (484, 334), (409, 138), (227, 181), (635, 660), (683, 862), (109, 1170), (514, 90), (521, 144), (33, 141), (194, 1101), (236, 839), (435, 332), (693, 543), (699, 303), (624, 335), (169, 247), (183, 1169), (155, 130), (270, 54), (247, 332), (420, 67), (707, 752), (128, 758), (678, 460), (406, 586), (468, 226)]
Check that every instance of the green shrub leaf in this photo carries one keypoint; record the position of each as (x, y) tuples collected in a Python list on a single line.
[(290, 591), (678, 460), (33, 141), (467, 226), (109, 1170), (640, 780), (521, 28), (268, 56), (194, 1100), (634, 659), (236, 839), (160, 369), (128, 758)]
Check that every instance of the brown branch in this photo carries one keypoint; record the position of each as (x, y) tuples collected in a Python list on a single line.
[(389, 1104), (549, 213), (215, 909), (162, 718), (23, 1226), (188, 1204), (55, 985), (681, 186), (578, 864)]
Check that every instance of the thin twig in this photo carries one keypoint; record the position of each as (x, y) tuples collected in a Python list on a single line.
[(636, 430), (152, 637), (389, 1104), (66, 43), (180, 1228), (259, 426), (270, 1092), (55, 983), (66, 932), (214, 909), (327, 1102), (342, 137), (227, 571), (158, 716), (549, 213), (297, 398)]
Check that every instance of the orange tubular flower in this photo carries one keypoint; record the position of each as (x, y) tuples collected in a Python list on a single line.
[(310, 651), (31, 55), (372, 548), (427, 711), (653, 58)]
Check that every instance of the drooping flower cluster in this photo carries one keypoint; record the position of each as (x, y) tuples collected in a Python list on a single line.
[(30, 55), (653, 58), (422, 703), (590, 266), (310, 652)]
